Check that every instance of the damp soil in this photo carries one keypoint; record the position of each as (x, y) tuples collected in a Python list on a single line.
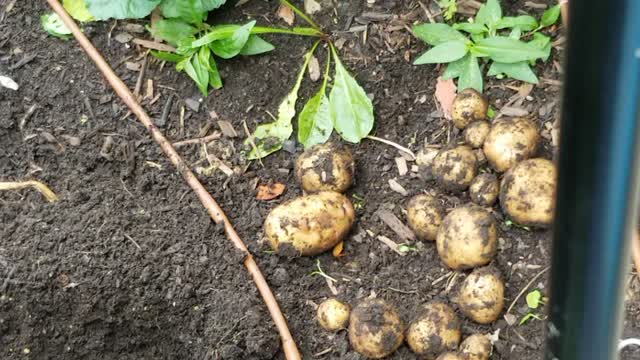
[(127, 264)]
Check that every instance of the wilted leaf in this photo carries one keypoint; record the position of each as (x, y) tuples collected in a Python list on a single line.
[(314, 122), (53, 24), (445, 94), (270, 191), (286, 13)]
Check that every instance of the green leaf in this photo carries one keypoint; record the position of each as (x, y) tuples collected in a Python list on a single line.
[(471, 28), (533, 299), (167, 56), (172, 30), (314, 122), (121, 9), (528, 317), (506, 50), (198, 72), (489, 13), (443, 53), (53, 24), (78, 10), (438, 33), (231, 46), (256, 45), (210, 64), (515, 33), (192, 11), (450, 7), (543, 43), (523, 22), (185, 46), (519, 71), (550, 16), (351, 108), (268, 138), (454, 69), (470, 75)]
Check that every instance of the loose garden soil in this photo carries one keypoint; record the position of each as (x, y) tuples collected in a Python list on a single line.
[(128, 265)]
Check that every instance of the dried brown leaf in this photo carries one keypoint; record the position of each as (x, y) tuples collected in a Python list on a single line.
[(445, 94), (270, 191), (286, 13)]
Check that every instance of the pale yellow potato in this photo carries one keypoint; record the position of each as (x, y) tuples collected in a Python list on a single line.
[(527, 192), (325, 167), (425, 216), (481, 295), (436, 329), (455, 168), (476, 347), (333, 314), (450, 356), (375, 329), (484, 189), (510, 141), (468, 106), (467, 238), (476, 133), (310, 224)]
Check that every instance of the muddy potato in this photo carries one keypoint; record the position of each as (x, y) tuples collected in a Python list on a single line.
[(425, 216), (475, 133), (476, 347), (449, 356), (325, 167), (510, 141), (455, 168), (484, 189), (481, 295), (468, 106), (333, 314), (436, 329), (310, 224), (375, 329), (467, 238), (527, 192)]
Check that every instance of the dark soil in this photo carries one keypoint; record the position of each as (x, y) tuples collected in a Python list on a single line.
[(128, 265)]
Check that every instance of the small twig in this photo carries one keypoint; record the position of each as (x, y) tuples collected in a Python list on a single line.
[(87, 104), (42, 188), (154, 45), (166, 110), (525, 288), (426, 11), (403, 291), (24, 61), (26, 116), (202, 140), (133, 241), (395, 145), (143, 70)]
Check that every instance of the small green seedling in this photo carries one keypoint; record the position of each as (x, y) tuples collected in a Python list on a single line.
[(511, 223), (534, 300), (53, 24), (321, 272), (358, 201), (449, 8), (406, 248)]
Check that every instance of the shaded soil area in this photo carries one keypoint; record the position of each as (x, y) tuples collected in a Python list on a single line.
[(127, 264)]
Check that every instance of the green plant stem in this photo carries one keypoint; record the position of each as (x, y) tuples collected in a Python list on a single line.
[(301, 14), (302, 31)]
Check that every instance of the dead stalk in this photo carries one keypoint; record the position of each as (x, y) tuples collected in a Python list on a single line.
[(212, 207), (42, 188), (395, 145)]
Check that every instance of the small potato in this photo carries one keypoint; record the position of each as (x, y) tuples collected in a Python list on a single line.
[(484, 189), (325, 167), (468, 106), (450, 356), (310, 224), (467, 238), (511, 141), (333, 315), (436, 329), (475, 133), (425, 216), (481, 296), (455, 168), (527, 192), (375, 329), (476, 347)]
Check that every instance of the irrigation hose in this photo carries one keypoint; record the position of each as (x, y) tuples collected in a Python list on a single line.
[(217, 214)]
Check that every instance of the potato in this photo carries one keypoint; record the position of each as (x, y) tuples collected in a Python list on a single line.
[(476, 347), (481, 295), (468, 106), (527, 192), (475, 133), (484, 189), (436, 329), (510, 141), (425, 216), (310, 224), (333, 315), (425, 156), (375, 329), (467, 238), (455, 168), (325, 167), (449, 356)]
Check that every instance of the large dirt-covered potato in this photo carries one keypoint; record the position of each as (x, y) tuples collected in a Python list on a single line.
[(455, 168), (475, 133), (527, 192), (476, 347), (375, 329), (325, 167), (467, 238), (510, 141), (481, 295), (468, 106), (425, 216), (435, 330), (333, 314), (310, 224), (484, 189)]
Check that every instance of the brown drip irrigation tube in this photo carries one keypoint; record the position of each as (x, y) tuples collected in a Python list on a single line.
[(214, 210)]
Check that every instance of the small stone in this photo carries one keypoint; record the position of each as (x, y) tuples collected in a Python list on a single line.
[(289, 146), (123, 38), (192, 104)]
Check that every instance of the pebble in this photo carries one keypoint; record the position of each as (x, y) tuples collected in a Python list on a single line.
[(192, 104), (123, 37), (289, 146)]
